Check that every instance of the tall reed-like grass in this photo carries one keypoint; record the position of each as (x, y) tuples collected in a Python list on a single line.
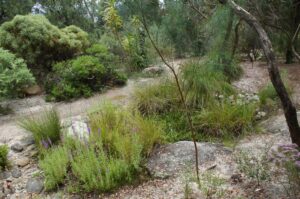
[(45, 128)]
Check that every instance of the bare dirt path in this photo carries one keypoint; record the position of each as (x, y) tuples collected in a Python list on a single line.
[(21, 108), (254, 78)]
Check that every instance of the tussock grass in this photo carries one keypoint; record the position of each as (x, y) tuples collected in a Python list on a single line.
[(45, 128)]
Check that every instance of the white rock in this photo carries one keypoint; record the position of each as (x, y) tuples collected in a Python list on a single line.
[(78, 129)]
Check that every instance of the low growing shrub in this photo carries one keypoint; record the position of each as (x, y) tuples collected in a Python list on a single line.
[(226, 118), (80, 77), (268, 96), (3, 157), (45, 128), (114, 123), (156, 98), (100, 172), (255, 167), (55, 167), (201, 84), (111, 156), (287, 159)]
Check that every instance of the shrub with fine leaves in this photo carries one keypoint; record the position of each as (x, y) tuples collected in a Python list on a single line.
[(14, 75)]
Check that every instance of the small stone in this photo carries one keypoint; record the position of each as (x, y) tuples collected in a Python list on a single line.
[(22, 162), (155, 70), (33, 90), (8, 188), (34, 185), (17, 147), (16, 173), (33, 153), (4, 175), (27, 141)]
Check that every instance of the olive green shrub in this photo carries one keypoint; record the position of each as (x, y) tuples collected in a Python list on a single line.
[(79, 77), (14, 75), (40, 43)]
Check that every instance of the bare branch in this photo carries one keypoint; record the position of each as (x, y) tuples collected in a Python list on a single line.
[(293, 43), (183, 100)]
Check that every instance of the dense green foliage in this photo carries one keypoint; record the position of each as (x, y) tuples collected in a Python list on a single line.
[(111, 156), (45, 128), (3, 157), (226, 118), (55, 165), (201, 83), (14, 75), (81, 77), (40, 43)]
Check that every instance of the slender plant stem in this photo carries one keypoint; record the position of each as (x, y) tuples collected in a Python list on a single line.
[(182, 98)]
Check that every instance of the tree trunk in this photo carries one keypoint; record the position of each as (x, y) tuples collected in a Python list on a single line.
[(288, 107), (289, 54)]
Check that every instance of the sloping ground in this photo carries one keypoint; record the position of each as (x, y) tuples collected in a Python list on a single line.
[(173, 163), (254, 78)]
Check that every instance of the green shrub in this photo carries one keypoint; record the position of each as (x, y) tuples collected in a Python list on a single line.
[(98, 172), (156, 98), (102, 53), (115, 123), (201, 84), (111, 156), (225, 118), (222, 62), (55, 165), (268, 96), (40, 43), (45, 128), (136, 55), (14, 75), (3, 157), (80, 77)]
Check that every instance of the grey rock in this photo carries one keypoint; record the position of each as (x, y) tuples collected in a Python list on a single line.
[(34, 185), (27, 141), (5, 175), (173, 159), (16, 173), (17, 147), (155, 70), (22, 162), (78, 130)]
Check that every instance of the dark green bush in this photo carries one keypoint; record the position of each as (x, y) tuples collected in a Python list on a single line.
[(80, 77), (102, 53), (3, 157), (14, 75), (40, 43)]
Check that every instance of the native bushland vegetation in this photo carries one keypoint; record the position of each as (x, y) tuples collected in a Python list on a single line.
[(14, 75), (76, 48), (111, 155)]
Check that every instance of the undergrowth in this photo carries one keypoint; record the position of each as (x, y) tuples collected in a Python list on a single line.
[(45, 128), (111, 156)]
